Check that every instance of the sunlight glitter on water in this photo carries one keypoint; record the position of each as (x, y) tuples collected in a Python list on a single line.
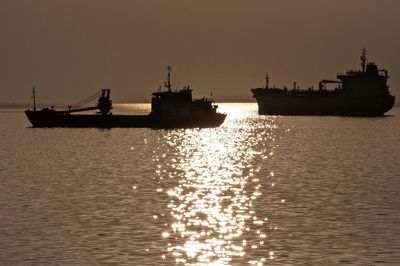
[(212, 201)]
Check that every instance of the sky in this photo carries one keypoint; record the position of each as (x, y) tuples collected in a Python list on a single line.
[(69, 49)]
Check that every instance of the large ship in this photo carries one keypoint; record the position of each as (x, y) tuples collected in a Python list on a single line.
[(357, 93), (169, 109)]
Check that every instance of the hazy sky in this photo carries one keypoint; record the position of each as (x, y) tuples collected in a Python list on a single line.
[(69, 49)]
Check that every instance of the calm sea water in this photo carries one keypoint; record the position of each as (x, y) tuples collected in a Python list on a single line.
[(259, 190)]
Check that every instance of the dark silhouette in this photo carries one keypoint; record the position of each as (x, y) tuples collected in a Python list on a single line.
[(359, 93), (169, 109)]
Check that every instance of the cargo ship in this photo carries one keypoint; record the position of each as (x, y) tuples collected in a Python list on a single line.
[(169, 109), (361, 92)]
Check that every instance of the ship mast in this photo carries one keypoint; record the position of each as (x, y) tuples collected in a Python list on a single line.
[(363, 59), (34, 98), (266, 81), (168, 84)]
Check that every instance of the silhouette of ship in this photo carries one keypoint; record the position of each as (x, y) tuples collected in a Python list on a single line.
[(169, 109), (358, 93)]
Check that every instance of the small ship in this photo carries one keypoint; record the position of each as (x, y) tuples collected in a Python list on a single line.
[(357, 93), (169, 109)]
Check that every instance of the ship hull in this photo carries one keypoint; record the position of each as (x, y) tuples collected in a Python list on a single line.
[(321, 105), (54, 119)]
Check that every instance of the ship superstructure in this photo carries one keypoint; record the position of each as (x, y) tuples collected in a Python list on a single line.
[(179, 104)]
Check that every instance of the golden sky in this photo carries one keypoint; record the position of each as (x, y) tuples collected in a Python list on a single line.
[(69, 49)]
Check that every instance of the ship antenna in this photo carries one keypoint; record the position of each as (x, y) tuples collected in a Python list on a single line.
[(168, 85), (363, 58), (266, 81), (34, 98)]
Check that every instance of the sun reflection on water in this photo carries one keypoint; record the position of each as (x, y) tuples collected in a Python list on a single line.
[(216, 185)]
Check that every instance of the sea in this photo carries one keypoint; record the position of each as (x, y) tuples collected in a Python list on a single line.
[(258, 190)]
